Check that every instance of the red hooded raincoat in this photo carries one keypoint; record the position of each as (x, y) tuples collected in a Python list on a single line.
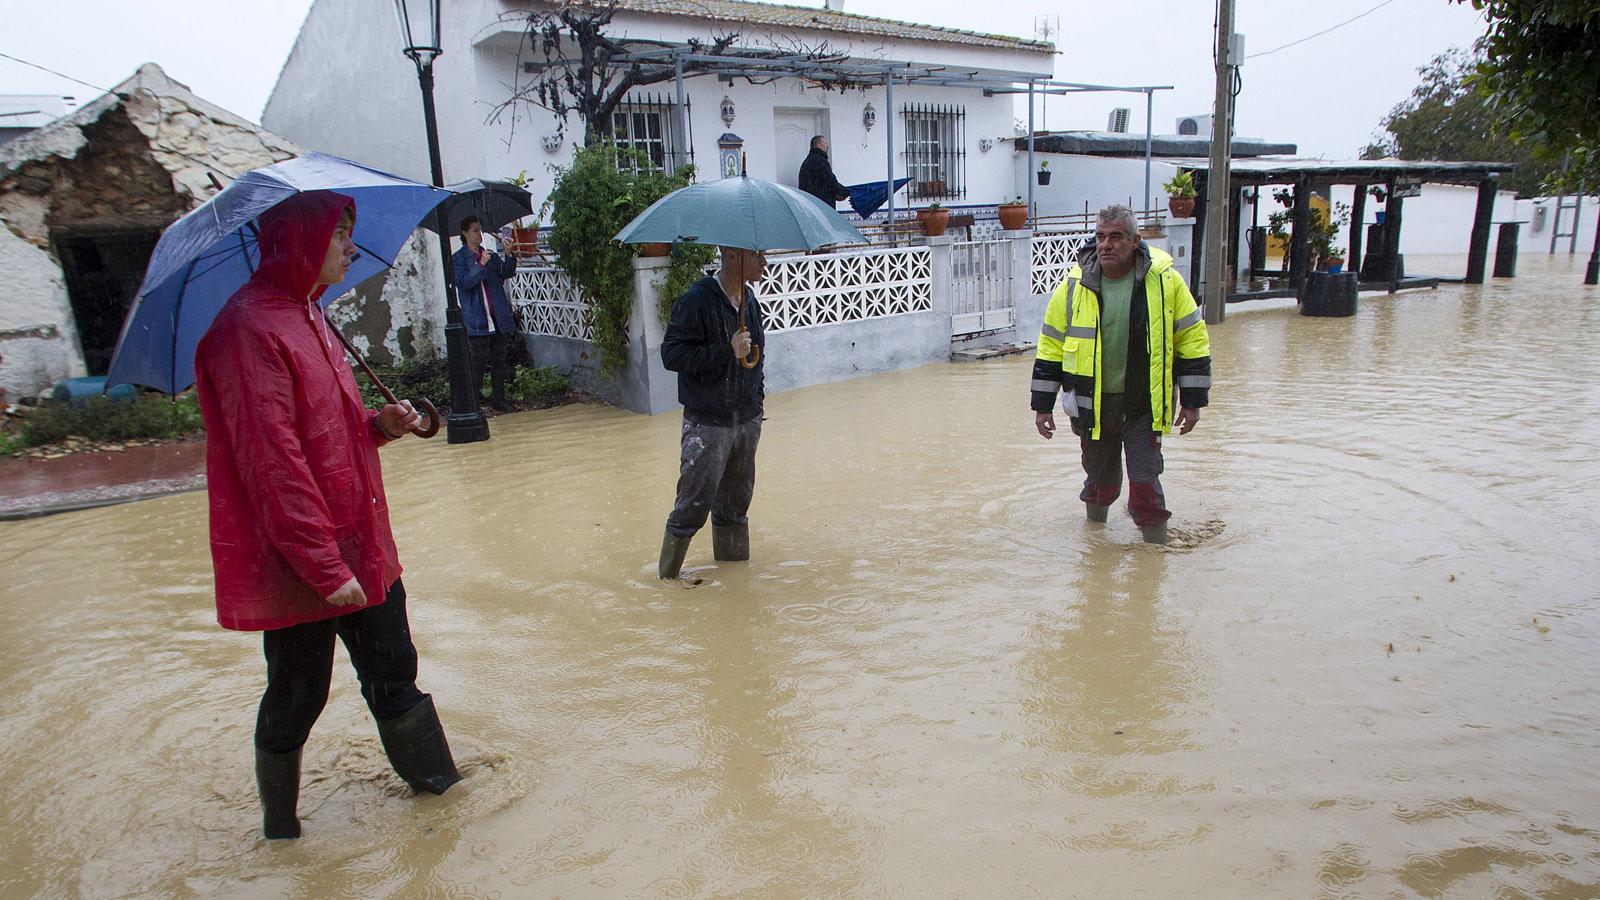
[(297, 502)]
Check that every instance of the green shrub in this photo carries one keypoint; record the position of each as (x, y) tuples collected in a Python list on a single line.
[(689, 261), (603, 189), (530, 384), (103, 419), (428, 378)]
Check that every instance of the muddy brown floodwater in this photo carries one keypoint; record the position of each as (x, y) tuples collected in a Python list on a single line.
[(1370, 668)]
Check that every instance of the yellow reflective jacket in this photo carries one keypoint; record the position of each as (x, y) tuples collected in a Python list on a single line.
[(1175, 342)]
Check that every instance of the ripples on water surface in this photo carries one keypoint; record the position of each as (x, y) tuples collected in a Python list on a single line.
[(1375, 671)]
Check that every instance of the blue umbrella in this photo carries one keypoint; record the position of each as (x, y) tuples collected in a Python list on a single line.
[(866, 198), (741, 212), (208, 254)]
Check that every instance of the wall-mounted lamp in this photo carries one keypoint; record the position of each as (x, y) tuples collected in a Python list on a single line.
[(727, 110), (869, 117)]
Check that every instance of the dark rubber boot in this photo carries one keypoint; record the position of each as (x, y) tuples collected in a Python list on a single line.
[(730, 543), (415, 743), (1096, 512), (278, 780), (1154, 534), (673, 550)]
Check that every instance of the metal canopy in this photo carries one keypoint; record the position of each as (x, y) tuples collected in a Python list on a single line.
[(758, 63), (1356, 171)]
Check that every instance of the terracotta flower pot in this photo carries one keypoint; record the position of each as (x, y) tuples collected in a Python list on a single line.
[(1181, 207), (934, 221), (524, 241), (655, 249), (1013, 216)]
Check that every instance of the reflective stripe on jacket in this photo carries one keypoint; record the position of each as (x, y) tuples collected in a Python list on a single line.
[(1176, 341)]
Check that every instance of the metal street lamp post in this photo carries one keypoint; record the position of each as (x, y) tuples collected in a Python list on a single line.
[(419, 31)]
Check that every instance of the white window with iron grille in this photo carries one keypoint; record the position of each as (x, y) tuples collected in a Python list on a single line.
[(649, 124), (935, 152)]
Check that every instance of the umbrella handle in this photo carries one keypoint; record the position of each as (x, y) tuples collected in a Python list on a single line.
[(753, 359), (430, 426)]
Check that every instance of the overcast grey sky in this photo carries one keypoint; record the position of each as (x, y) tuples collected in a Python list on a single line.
[(1326, 94)]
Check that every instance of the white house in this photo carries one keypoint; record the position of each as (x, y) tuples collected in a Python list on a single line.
[(346, 89)]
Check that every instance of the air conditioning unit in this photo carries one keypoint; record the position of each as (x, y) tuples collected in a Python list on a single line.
[(1196, 126), (1118, 120)]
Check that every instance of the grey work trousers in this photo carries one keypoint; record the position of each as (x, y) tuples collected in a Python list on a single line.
[(1126, 427), (716, 476)]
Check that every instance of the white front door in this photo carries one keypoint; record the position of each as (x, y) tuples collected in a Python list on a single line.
[(792, 133)]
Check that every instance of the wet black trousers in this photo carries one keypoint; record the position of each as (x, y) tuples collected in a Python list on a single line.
[(716, 476), (300, 668), (490, 351)]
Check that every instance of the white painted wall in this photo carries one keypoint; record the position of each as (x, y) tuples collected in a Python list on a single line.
[(36, 296), (1537, 240), (1096, 180), (347, 90)]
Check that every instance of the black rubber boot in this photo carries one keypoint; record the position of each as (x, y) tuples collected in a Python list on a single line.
[(1096, 512), (730, 543), (415, 743), (673, 550), (1154, 534), (278, 780)]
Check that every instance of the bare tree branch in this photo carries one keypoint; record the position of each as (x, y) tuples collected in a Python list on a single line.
[(582, 70)]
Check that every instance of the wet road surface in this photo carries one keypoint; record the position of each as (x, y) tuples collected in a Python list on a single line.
[(1368, 668)]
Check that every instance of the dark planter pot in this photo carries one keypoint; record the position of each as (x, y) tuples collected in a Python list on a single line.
[(1044, 177), (1328, 294), (934, 221), (1180, 207), (655, 249), (1014, 216)]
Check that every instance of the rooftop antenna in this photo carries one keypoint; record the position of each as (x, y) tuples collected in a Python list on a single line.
[(1046, 28)]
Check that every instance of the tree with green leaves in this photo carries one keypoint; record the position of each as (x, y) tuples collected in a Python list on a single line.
[(1447, 118), (1541, 75)]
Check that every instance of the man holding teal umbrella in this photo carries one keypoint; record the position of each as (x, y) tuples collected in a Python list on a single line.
[(715, 342)]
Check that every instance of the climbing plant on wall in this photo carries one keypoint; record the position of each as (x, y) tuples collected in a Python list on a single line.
[(601, 191)]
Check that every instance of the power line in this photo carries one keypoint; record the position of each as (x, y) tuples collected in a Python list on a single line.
[(1322, 32), (155, 139), (55, 73)]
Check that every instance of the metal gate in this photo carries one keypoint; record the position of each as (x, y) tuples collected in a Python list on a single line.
[(981, 278)]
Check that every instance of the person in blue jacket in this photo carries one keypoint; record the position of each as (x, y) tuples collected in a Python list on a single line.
[(486, 312)]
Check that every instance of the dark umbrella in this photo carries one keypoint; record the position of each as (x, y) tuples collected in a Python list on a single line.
[(495, 203)]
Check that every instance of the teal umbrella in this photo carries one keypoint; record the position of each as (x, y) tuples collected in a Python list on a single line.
[(741, 212)]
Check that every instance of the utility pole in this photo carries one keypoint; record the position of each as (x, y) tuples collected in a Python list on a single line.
[(1217, 239)]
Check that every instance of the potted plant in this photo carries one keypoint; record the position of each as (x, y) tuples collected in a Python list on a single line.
[(1325, 229), (1044, 171), (1013, 214), (1180, 194), (524, 240), (934, 219)]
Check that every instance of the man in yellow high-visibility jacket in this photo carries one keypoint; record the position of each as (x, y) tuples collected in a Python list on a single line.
[(1119, 334)]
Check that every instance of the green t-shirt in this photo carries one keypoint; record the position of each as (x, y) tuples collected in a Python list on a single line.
[(1116, 308)]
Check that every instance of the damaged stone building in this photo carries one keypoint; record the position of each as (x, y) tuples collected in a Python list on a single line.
[(83, 201)]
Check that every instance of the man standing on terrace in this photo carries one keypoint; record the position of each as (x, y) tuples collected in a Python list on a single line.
[(1118, 334), (816, 175)]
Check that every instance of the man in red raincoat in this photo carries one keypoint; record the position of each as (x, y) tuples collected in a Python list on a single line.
[(300, 535)]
